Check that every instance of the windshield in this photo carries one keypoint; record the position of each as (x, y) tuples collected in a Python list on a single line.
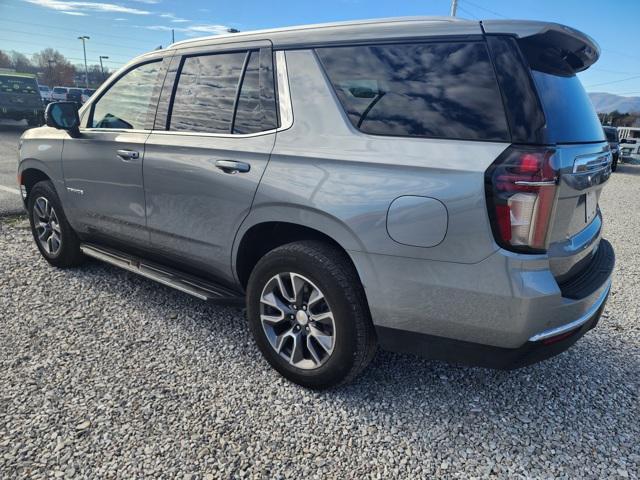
[(10, 84)]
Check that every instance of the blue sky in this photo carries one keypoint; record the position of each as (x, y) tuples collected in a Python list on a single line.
[(122, 29)]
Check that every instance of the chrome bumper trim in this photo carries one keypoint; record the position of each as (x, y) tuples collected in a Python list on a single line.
[(576, 323)]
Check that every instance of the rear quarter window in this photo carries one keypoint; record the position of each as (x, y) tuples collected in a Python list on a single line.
[(431, 90), (570, 115)]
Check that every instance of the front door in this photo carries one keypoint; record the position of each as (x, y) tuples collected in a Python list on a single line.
[(103, 165), (203, 166)]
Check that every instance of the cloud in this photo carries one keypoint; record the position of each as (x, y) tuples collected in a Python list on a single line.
[(66, 6), (173, 18), (192, 30), (76, 14)]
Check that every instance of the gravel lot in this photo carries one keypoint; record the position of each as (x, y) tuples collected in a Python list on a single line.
[(107, 375)]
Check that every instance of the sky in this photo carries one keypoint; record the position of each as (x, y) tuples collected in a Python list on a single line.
[(122, 29)]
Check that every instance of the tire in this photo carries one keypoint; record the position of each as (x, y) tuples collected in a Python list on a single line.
[(321, 268), (614, 165), (44, 207)]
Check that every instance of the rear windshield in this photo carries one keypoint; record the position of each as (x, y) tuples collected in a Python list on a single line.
[(10, 84), (59, 90), (433, 90), (570, 115), (75, 91), (44, 89)]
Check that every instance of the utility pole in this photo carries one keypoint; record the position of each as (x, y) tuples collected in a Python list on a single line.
[(454, 7), (51, 61), (101, 67), (86, 70), (173, 36)]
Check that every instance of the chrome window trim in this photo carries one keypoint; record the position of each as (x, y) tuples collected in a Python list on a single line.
[(284, 95), (567, 327), (219, 135), (114, 130)]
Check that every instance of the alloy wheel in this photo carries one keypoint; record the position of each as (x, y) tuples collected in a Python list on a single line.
[(47, 226), (297, 320)]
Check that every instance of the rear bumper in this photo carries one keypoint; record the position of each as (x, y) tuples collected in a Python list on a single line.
[(20, 113), (475, 354), (504, 312)]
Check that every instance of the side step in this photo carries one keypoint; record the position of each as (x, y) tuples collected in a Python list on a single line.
[(202, 289)]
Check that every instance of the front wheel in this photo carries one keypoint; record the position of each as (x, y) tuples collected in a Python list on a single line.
[(54, 237), (614, 165), (308, 314)]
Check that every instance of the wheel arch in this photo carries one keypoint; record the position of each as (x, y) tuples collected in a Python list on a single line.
[(31, 175), (266, 229)]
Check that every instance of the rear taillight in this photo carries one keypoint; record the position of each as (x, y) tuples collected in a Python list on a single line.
[(521, 190)]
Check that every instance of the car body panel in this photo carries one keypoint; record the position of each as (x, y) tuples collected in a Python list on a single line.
[(105, 193)]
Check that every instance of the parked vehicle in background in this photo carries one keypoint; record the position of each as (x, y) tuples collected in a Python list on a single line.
[(20, 98), (428, 185), (59, 94), (613, 140), (75, 95), (86, 94), (45, 93)]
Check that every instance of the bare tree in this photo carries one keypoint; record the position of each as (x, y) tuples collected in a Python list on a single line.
[(5, 60), (55, 68)]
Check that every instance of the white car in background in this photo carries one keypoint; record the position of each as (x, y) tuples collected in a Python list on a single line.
[(45, 93), (59, 94)]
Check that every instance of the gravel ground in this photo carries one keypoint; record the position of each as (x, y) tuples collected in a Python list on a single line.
[(104, 374)]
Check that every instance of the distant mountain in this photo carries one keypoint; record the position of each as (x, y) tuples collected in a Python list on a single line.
[(608, 102)]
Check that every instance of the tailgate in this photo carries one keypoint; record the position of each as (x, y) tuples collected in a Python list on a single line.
[(577, 223)]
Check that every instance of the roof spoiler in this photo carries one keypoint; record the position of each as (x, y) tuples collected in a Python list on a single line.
[(577, 49)]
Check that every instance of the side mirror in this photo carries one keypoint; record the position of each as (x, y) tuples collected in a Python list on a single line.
[(63, 116)]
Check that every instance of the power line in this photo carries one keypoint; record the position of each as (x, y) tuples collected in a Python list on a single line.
[(467, 12), (68, 38), (613, 81), (485, 9), (75, 31)]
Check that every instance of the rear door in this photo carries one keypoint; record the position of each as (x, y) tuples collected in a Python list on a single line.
[(103, 166), (213, 135)]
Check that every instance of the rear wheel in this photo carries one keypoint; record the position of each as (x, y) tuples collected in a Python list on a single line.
[(308, 314), (54, 237), (614, 165)]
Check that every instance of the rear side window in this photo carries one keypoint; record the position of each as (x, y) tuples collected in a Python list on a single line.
[(206, 93), (9, 84), (255, 109), (434, 90), (570, 115)]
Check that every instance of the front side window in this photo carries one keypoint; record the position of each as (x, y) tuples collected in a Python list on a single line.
[(435, 90), (206, 93), (129, 104)]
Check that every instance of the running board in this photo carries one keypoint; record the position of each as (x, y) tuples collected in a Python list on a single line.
[(202, 289)]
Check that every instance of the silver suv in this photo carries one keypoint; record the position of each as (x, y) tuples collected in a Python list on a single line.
[(428, 185)]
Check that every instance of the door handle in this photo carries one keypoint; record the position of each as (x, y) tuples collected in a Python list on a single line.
[(128, 154), (233, 167)]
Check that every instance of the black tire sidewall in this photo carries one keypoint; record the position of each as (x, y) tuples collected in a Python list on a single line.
[(69, 254), (342, 358)]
